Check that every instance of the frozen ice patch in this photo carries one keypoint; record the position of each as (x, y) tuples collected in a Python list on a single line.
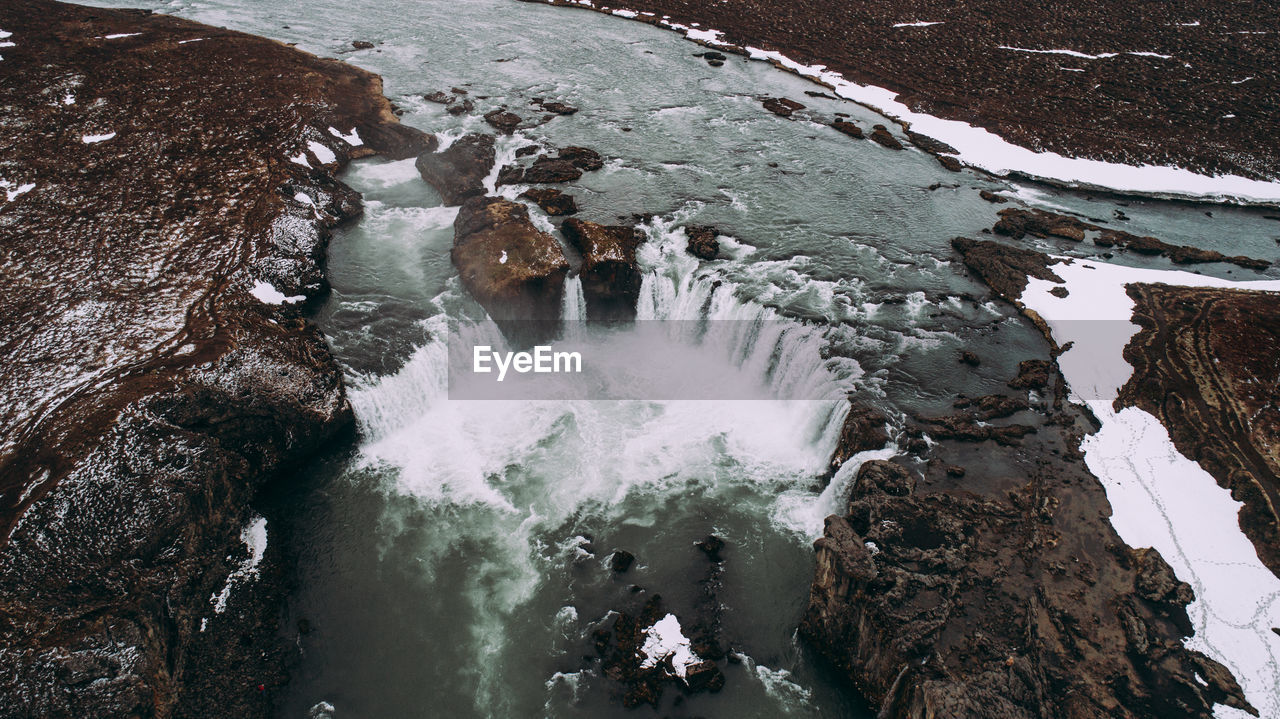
[(664, 639), (322, 153), (12, 191), (917, 23), (352, 138), (119, 35), (90, 139)]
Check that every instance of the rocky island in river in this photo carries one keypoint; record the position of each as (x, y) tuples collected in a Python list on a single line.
[(902, 393)]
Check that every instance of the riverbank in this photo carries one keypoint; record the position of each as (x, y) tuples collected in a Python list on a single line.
[(169, 192)]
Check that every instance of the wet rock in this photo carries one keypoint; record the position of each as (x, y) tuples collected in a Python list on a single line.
[(881, 134), (461, 108), (848, 128), (711, 546), (583, 158), (515, 271), (546, 170), (552, 201), (950, 162), (702, 241), (1003, 268), (968, 427), (992, 197), (610, 276), (969, 358), (559, 108), (503, 121), (930, 145), (704, 676), (458, 172), (621, 560), (781, 106), (361, 44), (992, 406), (863, 430), (527, 150), (439, 97), (1032, 374)]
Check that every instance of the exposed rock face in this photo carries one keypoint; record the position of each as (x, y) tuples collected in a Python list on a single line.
[(1003, 268), (1017, 223), (552, 201), (610, 275), (1032, 374), (950, 163), (702, 241), (510, 267), (1207, 365), (567, 166), (863, 430), (954, 605), (459, 171), (558, 108), (146, 392), (848, 128)]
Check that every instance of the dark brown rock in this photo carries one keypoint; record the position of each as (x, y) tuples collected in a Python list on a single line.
[(583, 158), (930, 145), (1003, 268), (781, 106), (863, 430), (950, 162), (460, 108), (711, 546), (546, 169), (881, 134), (503, 121), (361, 44), (1032, 374), (515, 271), (458, 172), (621, 560), (970, 358), (702, 241), (558, 108), (992, 197), (552, 201), (848, 128), (610, 276)]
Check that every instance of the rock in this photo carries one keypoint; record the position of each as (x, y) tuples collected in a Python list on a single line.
[(1032, 374), (969, 358), (968, 427), (992, 406), (503, 121), (527, 150), (781, 106), (711, 546), (702, 241), (610, 276), (546, 169), (558, 108), (930, 145), (582, 158), (458, 172), (510, 175), (950, 162), (439, 97), (515, 271), (848, 128), (552, 201), (361, 44), (992, 197), (863, 430), (621, 560), (878, 475), (704, 676), (148, 398), (955, 471), (1003, 268), (881, 134), (461, 108)]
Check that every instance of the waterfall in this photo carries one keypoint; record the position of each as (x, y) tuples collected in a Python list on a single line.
[(573, 307)]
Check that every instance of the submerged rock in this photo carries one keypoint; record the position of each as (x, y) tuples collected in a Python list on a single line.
[(610, 276), (513, 269), (459, 171)]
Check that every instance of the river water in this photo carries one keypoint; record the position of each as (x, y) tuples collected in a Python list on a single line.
[(455, 563)]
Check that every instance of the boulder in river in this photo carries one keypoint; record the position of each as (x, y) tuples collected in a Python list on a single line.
[(610, 276), (881, 134), (781, 106), (702, 241), (513, 269), (848, 128), (552, 201), (458, 172), (503, 121)]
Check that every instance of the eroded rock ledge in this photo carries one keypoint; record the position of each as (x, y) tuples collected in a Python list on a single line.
[(156, 371)]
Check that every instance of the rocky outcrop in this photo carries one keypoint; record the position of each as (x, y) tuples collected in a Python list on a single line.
[(848, 128), (513, 269), (1017, 223), (503, 121), (881, 134), (863, 430), (781, 106), (702, 241), (552, 201), (610, 276), (957, 605), (1003, 268), (458, 172), (1201, 363), (567, 166), (157, 372)]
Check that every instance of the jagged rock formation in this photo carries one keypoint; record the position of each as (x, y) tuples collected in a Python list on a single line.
[(458, 172), (156, 371), (610, 276)]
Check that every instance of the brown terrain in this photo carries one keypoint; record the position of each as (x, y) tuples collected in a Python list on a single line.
[(1210, 106), (1207, 365), (145, 393)]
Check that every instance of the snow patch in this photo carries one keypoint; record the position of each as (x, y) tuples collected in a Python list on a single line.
[(267, 293), (118, 35), (352, 138), (300, 159), (194, 39), (322, 153), (90, 139), (917, 23), (664, 639), (254, 536), (12, 191)]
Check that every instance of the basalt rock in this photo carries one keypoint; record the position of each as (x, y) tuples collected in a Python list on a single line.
[(552, 201), (559, 108), (610, 276), (1003, 268), (702, 241), (458, 172), (503, 121), (952, 604), (146, 392), (930, 145), (881, 134), (583, 158), (781, 106), (1032, 374), (513, 269), (863, 430), (848, 128), (546, 169), (950, 162)]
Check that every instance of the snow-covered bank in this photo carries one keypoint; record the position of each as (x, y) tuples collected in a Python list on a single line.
[(1160, 498), (983, 149)]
